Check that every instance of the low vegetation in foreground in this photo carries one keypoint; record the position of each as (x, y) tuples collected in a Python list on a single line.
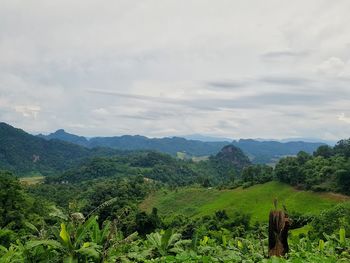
[(101, 222), (112, 206)]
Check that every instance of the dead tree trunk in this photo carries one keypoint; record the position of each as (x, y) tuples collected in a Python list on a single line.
[(278, 233)]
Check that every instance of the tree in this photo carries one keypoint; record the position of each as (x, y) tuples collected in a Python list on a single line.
[(12, 201), (257, 173), (288, 171), (303, 157), (324, 151), (343, 177), (343, 148), (144, 223)]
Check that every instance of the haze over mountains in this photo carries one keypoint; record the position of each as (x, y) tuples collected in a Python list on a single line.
[(136, 142), (258, 151), (60, 150)]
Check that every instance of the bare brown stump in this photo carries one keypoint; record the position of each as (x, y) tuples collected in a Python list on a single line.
[(278, 233)]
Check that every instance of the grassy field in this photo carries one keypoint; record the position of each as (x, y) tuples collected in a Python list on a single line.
[(256, 200), (184, 156), (31, 180)]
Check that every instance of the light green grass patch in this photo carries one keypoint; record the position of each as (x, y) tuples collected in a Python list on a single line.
[(197, 159), (31, 180), (181, 155), (256, 200), (301, 231)]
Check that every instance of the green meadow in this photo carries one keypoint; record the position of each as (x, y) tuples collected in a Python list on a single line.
[(256, 200)]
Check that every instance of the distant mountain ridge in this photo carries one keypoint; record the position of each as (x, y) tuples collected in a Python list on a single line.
[(270, 151), (205, 138), (258, 151), (24, 153), (168, 145), (65, 136)]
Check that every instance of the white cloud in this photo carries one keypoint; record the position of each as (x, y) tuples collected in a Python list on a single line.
[(342, 117), (100, 111), (243, 68), (332, 67), (335, 67), (31, 111)]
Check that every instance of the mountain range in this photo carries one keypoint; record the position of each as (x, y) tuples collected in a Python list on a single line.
[(271, 151), (258, 151), (24, 153), (168, 145)]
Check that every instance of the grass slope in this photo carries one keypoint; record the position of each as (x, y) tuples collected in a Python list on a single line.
[(31, 180), (256, 200)]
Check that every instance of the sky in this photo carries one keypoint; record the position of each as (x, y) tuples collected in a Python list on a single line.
[(237, 69)]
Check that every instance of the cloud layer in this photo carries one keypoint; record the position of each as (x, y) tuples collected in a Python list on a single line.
[(273, 69)]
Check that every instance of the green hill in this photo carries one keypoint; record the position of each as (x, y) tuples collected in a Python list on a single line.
[(25, 154), (167, 145), (256, 200)]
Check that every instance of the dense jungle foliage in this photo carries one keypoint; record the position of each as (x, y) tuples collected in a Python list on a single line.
[(328, 169), (102, 223), (90, 211)]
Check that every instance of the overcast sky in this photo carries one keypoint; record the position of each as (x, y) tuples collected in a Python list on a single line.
[(238, 69)]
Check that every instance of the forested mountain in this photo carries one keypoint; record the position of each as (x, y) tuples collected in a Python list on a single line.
[(24, 153), (65, 136), (225, 167), (169, 145), (234, 156), (258, 151), (153, 166), (271, 151)]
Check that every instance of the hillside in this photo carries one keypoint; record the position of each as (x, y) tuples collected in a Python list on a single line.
[(256, 200), (233, 156), (24, 153), (224, 167)]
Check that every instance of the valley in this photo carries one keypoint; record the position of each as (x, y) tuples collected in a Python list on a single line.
[(174, 131), (65, 201)]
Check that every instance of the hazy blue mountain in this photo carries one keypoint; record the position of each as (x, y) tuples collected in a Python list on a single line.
[(306, 139), (68, 137), (167, 145), (257, 150), (204, 138), (270, 151), (170, 145)]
